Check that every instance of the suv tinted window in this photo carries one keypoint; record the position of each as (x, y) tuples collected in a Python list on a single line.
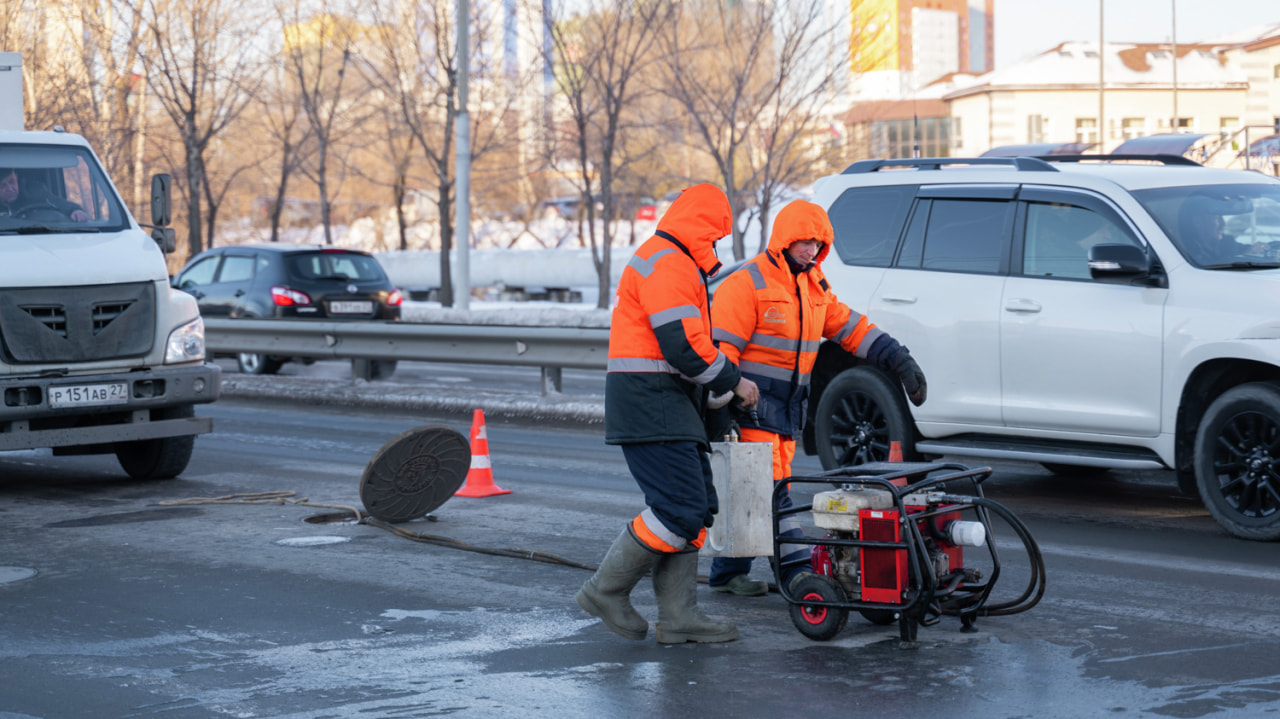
[(1219, 224), (868, 221), (958, 235), (334, 265), (1058, 237)]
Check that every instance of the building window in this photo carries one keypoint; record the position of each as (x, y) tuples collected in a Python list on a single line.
[(1035, 128), (1275, 71), (1087, 130), (1182, 124), (1228, 125), (1131, 127), (899, 138)]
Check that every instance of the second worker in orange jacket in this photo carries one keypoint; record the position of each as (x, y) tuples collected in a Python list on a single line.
[(769, 318)]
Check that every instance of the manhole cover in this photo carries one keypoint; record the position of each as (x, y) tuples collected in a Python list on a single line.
[(311, 541), (415, 473), (15, 574)]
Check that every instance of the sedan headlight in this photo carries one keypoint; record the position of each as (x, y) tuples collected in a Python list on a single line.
[(186, 344)]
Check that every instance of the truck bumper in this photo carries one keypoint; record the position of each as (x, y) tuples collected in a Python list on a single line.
[(27, 421)]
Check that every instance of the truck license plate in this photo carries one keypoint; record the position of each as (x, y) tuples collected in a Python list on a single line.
[(83, 395), (350, 308)]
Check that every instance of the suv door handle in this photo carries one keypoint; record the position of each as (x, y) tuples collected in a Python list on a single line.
[(239, 293), (1019, 305), (899, 300)]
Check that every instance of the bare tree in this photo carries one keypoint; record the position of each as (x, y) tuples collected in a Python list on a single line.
[(603, 54), (102, 79), (319, 53), (416, 67), (279, 116), (751, 76), (204, 73)]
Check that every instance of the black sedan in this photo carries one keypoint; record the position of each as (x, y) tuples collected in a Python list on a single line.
[(290, 282)]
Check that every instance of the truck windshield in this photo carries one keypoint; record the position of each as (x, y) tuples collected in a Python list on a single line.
[(1220, 226), (47, 188)]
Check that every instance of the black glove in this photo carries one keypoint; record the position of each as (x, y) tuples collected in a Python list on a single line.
[(911, 377), (890, 356)]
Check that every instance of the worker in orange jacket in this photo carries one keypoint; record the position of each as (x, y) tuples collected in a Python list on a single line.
[(662, 367), (769, 317)]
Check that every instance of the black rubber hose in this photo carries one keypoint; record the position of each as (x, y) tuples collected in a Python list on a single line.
[(1036, 585), (456, 544)]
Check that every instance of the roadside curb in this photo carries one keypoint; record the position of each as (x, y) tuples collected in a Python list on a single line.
[(360, 393)]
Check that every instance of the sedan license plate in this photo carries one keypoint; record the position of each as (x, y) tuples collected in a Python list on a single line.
[(85, 395), (350, 308)]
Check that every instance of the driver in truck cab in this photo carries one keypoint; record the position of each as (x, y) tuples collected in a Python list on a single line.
[(17, 197)]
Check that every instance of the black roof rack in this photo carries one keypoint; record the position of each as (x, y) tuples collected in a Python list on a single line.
[(1024, 164), (1161, 158)]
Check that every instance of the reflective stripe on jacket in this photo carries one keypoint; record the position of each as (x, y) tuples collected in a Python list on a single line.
[(770, 320), (661, 357)]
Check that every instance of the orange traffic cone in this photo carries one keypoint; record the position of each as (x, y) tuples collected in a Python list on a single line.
[(480, 477), (895, 455)]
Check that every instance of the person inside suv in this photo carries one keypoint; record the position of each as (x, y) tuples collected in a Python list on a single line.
[(1202, 228)]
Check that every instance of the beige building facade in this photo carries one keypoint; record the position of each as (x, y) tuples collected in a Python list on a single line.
[(1227, 89)]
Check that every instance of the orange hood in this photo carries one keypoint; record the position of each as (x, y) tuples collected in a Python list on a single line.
[(697, 219), (801, 220)]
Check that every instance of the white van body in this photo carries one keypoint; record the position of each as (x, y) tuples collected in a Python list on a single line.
[(98, 354)]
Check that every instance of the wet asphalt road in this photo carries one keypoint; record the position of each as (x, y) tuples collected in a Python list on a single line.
[(143, 609)]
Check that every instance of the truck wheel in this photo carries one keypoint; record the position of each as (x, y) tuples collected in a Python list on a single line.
[(252, 363), (1237, 460), (859, 414), (163, 458)]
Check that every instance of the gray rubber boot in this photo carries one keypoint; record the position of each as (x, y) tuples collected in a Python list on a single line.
[(607, 594), (675, 582)]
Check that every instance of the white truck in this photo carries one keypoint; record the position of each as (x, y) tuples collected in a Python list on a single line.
[(98, 355)]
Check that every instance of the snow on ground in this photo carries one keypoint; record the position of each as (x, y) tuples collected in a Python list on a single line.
[(532, 314)]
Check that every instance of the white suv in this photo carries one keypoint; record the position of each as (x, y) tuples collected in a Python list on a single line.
[(1086, 313)]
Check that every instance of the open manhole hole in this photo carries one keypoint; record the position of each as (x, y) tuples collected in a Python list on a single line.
[(415, 473), (334, 518)]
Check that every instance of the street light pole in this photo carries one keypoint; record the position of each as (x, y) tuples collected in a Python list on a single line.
[(462, 190), (1102, 59), (1174, 36)]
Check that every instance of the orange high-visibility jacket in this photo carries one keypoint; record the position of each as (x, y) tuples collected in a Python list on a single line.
[(770, 320), (661, 357)]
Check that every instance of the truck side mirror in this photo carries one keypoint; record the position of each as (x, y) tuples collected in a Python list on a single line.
[(160, 204), (166, 238)]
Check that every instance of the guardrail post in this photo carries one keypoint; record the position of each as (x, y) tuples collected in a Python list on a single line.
[(361, 368), (552, 376)]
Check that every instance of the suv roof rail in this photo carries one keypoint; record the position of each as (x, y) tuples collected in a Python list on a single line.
[(1025, 164), (1164, 159)]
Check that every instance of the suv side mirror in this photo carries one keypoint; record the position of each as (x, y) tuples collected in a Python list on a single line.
[(1121, 263), (160, 203)]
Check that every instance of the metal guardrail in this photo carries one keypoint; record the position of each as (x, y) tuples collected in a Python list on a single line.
[(546, 347)]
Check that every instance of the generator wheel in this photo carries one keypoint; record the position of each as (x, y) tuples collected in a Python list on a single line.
[(883, 617), (818, 623)]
